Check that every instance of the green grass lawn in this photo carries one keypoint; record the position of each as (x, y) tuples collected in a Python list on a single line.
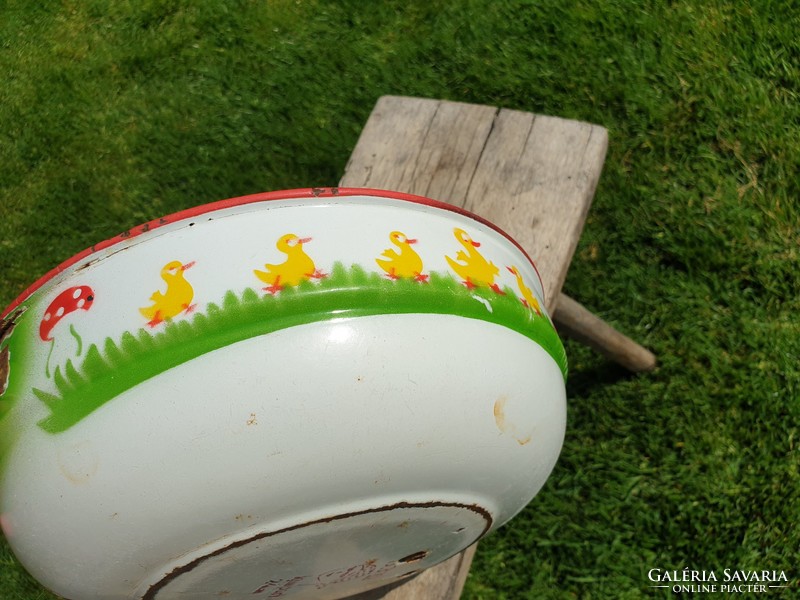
[(115, 113)]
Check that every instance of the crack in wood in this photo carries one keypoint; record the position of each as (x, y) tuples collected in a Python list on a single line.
[(479, 162)]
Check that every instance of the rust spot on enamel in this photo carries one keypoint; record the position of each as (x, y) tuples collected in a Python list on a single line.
[(504, 425), (500, 413)]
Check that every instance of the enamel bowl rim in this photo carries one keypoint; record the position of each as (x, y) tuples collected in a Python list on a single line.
[(291, 194)]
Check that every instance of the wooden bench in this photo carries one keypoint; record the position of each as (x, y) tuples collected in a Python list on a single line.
[(534, 176)]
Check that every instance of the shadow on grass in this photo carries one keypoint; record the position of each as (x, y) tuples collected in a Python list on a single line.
[(601, 373)]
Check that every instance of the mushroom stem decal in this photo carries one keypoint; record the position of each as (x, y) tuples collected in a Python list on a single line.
[(74, 298), (77, 338)]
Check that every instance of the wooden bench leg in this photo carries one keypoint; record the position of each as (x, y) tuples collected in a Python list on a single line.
[(575, 321)]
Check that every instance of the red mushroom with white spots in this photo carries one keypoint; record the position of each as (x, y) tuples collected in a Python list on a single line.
[(70, 300)]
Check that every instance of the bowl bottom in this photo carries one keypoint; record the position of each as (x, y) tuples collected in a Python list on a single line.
[(326, 558)]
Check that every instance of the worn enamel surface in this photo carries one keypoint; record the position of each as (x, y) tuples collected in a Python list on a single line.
[(238, 371)]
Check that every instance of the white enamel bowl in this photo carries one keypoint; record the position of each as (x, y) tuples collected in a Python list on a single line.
[(302, 394)]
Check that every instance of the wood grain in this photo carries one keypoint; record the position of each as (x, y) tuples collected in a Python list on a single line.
[(536, 180), (420, 146)]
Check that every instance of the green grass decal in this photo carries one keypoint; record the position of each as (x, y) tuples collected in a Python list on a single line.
[(118, 366)]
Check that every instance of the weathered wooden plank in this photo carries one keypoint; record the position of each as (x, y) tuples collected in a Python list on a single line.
[(536, 180), (420, 146)]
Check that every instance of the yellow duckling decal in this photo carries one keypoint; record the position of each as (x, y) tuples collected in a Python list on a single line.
[(297, 267), (176, 299), (471, 266), (406, 263), (528, 299)]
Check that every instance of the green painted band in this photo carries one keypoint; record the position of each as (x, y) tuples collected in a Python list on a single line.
[(346, 292)]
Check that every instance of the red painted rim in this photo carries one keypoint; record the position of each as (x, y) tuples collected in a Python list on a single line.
[(251, 199)]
